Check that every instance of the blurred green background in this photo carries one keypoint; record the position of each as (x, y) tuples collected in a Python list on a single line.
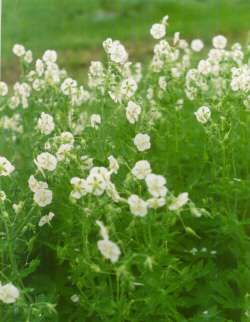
[(76, 28)]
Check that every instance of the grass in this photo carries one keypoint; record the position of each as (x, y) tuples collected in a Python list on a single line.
[(76, 28)]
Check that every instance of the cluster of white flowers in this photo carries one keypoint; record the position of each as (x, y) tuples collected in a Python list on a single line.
[(97, 182), (241, 79), (42, 195), (21, 52)]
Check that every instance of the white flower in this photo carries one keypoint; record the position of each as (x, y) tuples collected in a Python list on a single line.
[(156, 185), (39, 67), (50, 56), (75, 298), (28, 57), (46, 219), (203, 114), (113, 164), (63, 150), (133, 111), (95, 120), (138, 207), (155, 203), (179, 202), (142, 142), (46, 161), (197, 45), (43, 197), (35, 185), (18, 50), (79, 187), (128, 87), (141, 169), (69, 86), (204, 67), (109, 250), (219, 42), (158, 30), (46, 123), (3, 89), (9, 293), (6, 168), (67, 137), (96, 184), (117, 52)]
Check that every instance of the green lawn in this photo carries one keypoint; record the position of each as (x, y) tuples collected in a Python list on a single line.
[(76, 28)]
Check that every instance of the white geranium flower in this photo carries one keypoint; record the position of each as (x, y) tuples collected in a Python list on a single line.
[(128, 87), (18, 50), (117, 52), (133, 112), (158, 30), (79, 187), (28, 57), (156, 185), (142, 142), (46, 219), (219, 42), (50, 56), (113, 164), (203, 114), (138, 207), (67, 137), (95, 120), (63, 150), (179, 202), (6, 168), (109, 250), (204, 67), (69, 86), (3, 89), (155, 203), (35, 185), (43, 197), (197, 45), (96, 184), (9, 293), (46, 123), (141, 169), (46, 161)]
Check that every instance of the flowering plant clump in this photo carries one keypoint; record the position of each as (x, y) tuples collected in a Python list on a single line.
[(127, 199)]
